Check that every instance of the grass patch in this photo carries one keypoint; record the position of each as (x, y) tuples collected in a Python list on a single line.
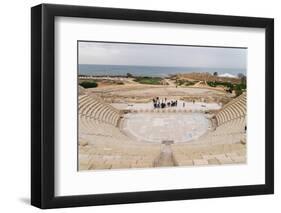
[(148, 80)]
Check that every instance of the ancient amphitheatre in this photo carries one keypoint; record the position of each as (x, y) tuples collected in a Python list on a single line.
[(120, 128)]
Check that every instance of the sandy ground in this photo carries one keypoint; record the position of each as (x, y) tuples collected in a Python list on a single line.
[(142, 93), (150, 90)]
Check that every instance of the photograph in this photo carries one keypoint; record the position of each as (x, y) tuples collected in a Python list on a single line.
[(145, 105)]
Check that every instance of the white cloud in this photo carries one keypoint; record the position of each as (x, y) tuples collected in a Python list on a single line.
[(161, 55)]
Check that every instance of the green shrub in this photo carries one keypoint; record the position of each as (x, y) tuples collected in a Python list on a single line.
[(238, 93), (218, 83), (88, 84), (181, 82), (238, 88), (189, 83)]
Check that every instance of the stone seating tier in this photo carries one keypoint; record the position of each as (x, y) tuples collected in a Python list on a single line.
[(233, 110), (103, 146), (95, 109)]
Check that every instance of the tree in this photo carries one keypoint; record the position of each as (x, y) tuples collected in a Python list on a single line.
[(215, 74), (243, 80), (129, 75), (242, 77)]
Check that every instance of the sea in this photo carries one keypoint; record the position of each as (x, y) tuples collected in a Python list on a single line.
[(150, 71)]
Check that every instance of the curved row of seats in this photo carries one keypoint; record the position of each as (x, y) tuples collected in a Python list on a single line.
[(103, 146), (219, 147), (97, 110), (226, 144), (106, 152), (233, 110), (101, 143), (208, 154)]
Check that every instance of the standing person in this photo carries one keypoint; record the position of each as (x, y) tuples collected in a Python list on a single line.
[(183, 104)]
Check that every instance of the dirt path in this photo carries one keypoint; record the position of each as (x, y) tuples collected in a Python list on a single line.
[(170, 82)]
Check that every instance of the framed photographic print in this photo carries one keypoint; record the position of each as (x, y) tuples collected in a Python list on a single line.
[(139, 106)]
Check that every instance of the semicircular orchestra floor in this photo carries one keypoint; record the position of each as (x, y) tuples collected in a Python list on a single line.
[(161, 127)]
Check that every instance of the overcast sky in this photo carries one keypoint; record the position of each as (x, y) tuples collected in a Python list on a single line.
[(161, 55)]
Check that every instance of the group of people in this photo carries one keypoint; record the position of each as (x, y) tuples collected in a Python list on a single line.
[(163, 103)]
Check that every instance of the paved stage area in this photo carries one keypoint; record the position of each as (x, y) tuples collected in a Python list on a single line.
[(159, 127), (197, 106)]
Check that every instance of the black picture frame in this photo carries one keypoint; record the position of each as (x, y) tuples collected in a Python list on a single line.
[(43, 105)]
